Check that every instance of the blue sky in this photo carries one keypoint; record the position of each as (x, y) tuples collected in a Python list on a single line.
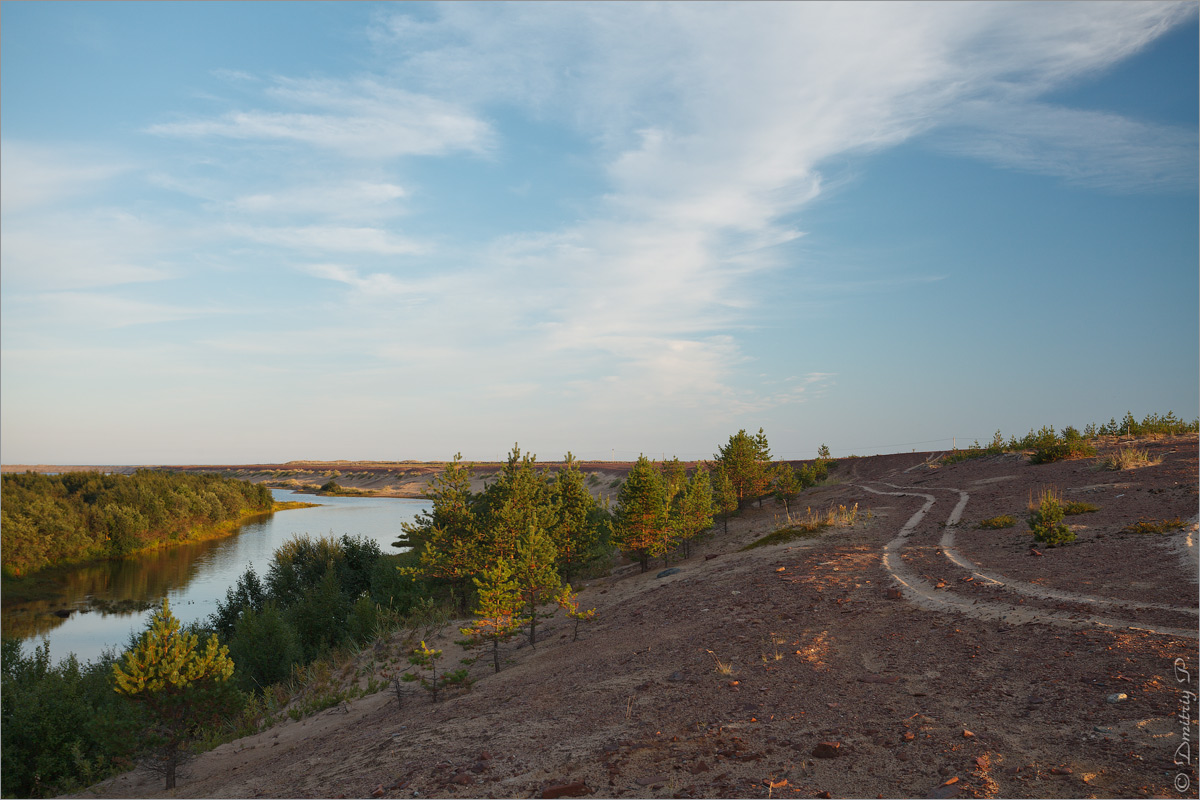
[(255, 232)]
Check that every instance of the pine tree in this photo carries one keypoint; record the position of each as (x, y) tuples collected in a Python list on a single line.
[(519, 498), (569, 601), (178, 682), (724, 494), (575, 528), (695, 510), (641, 524), (787, 485), (746, 460), (498, 610), (426, 658), (535, 575)]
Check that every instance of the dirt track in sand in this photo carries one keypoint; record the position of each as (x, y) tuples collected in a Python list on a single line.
[(987, 673)]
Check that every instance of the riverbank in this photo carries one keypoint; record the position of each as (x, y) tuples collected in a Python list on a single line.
[(44, 585), (916, 653)]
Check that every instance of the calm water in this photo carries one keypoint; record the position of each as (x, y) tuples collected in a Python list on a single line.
[(194, 576)]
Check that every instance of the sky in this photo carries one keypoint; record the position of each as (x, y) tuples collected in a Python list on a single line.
[(239, 232)]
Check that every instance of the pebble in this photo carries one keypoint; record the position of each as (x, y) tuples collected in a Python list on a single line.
[(827, 750), (1117, 697), (575, 789)]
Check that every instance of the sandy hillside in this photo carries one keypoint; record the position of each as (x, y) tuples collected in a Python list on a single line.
[(911, 655)]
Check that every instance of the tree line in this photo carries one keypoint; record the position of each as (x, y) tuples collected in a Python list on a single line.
[(503, 555), (79, 516)]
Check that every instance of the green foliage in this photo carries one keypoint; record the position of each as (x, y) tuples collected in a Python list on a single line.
[(264, 647), (426, 659), (1076, 507), (178, 682), (1152, 526), (641, 525), (692, 517), (998, 523), (578, 525), (498, 612), (568, 601), (535, 576), (77, 516), (747, 460), (1045, 520), (64, 727), (1060, 451), (725, 498)]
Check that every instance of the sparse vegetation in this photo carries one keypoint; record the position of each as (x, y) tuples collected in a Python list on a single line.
[(1129, 458), (1076, 507), (998, 523), (1045, 519), (810, 526), (1152, 526)]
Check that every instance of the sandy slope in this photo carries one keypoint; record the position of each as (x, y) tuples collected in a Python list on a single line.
[(924, 648)]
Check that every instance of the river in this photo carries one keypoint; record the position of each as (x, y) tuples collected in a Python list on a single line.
[(193, 576)]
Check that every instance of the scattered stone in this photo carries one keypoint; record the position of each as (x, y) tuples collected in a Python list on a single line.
[(378, 791), (699, 767), (968, 735), (947, 789), (885, 679), (462, 779), (576, 789), (895, 594), (827, 750), (676, 677), (652, 779), (711, 556), (667, 572), (1061, 771), (902, 755), (1116, 697), (485, 756)]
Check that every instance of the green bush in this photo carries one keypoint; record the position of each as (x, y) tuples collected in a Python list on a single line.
[(1045, 520), (263, 648), (1060, 451), (64, 726)]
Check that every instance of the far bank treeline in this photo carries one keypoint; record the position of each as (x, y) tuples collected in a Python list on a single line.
[(80, 516)]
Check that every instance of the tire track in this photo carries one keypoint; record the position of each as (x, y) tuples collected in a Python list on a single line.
[(921, 593)]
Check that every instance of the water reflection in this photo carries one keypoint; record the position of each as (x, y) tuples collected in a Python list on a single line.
[(84, 609)]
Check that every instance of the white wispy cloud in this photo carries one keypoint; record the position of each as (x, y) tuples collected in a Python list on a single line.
[(330, 238), (37, 175), (347, 200), (360, 119), (1091, 148), (90, 248)]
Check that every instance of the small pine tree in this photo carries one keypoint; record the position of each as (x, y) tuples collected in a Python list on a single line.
[(787, 485), (694, 514), (535, 575), (724, 494), (569, 601), (426, 658), (178, 682), (498, 610)]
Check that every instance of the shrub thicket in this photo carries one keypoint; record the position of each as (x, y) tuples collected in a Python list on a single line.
[(77, 516)]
